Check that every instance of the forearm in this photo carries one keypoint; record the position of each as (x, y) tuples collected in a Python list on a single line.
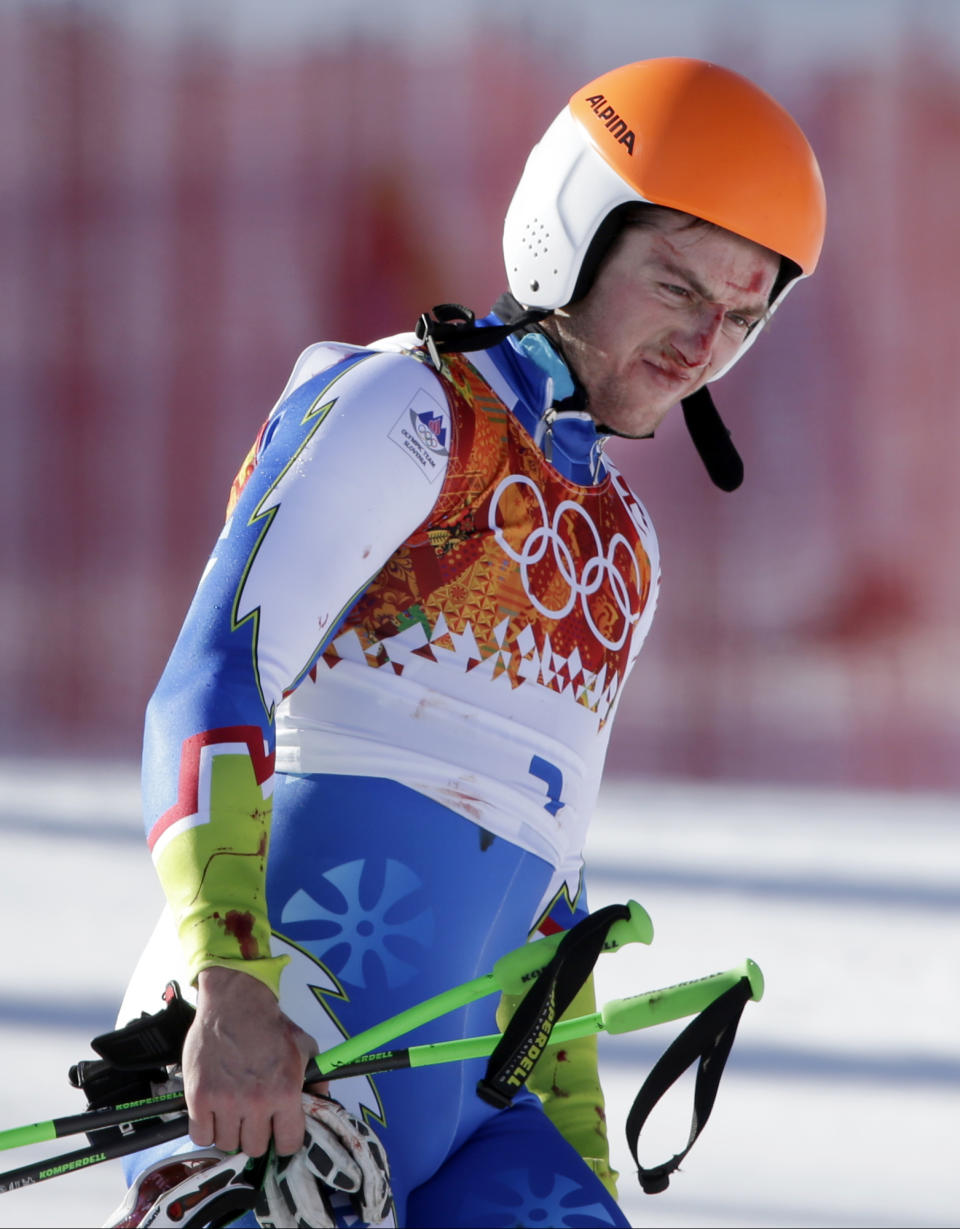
[(210, 838)]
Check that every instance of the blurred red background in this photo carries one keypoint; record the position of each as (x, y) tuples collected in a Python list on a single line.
[(186, 205)]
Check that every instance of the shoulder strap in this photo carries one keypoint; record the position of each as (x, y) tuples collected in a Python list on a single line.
[(452, 329)]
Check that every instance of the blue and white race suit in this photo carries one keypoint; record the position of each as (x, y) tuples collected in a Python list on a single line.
[(371, 761)]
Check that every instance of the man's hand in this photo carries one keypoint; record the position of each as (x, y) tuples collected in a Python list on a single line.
[(243, 1067)]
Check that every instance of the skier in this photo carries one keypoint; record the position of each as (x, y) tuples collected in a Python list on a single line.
[(372, 757)]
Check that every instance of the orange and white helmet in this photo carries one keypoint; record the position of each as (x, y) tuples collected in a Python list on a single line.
[(680, 133)]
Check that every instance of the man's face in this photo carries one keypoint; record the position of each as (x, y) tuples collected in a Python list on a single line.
[(671, 305)]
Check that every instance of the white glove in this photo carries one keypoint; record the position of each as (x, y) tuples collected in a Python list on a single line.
[(339, 1153)]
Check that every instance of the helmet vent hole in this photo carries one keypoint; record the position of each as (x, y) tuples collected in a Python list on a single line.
[(535, 237)]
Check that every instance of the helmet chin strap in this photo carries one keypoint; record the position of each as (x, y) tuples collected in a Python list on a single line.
[(707, 429), (603, 429), (453, 329), (712, 440), (710, 436)]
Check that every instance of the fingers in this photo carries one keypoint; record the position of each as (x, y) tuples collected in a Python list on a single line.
[(201, 1129), (255, 1135), (307, 1048), (223, 1122), (217, 1123), (243, 1067), (288, 1128), (251, 1133)]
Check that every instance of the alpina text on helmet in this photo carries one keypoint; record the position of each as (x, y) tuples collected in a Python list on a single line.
[(612, 121)]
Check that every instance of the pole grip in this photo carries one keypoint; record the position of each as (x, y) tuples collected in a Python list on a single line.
[(675, 1002), (514, 972)]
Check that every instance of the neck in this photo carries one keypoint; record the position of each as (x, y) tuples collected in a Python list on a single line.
[(508, 309)]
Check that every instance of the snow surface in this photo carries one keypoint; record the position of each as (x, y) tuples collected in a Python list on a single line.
[(840, 1102)]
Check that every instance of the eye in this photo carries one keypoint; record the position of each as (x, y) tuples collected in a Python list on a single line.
[(740, 322), (680, 292)]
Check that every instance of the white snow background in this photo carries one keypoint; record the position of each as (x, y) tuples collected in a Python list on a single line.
[(841, 1101)]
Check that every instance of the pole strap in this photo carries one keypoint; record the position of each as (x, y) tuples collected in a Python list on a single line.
[(528, 1033), (707, 1040)]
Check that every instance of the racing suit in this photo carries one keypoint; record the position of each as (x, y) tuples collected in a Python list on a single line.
[(372, 757)]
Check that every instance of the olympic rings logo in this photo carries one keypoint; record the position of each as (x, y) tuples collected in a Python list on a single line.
[(582, 583)]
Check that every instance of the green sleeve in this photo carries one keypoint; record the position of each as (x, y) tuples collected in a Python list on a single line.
[(214, 877)]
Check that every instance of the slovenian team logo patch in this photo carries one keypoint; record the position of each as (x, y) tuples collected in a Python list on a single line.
[(423, 432), (431, 429)]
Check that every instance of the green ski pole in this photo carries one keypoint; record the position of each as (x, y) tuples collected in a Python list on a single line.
[(618, 1016), (91, 1120), (511, 974)]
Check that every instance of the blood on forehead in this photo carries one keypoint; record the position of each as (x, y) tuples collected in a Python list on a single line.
[(759, 278), (755, 285)]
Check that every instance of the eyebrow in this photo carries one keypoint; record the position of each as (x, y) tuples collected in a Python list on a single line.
[(754, 309)]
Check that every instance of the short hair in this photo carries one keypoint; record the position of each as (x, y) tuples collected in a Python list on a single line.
[(641, 214)]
